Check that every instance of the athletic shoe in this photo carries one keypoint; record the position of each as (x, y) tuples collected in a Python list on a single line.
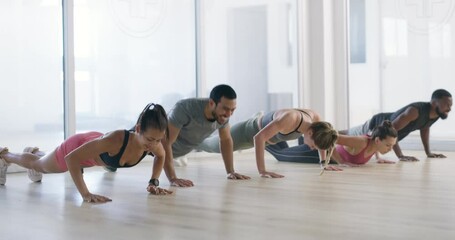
[(110, 169), (181, 161), (3, 168), (35, 176)]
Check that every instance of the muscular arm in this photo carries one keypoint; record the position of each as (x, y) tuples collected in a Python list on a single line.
[(409, 115), (91, 150), (227, 149), (227, 152), (169, 158), (158, 165), (425, 137), (277, 125), (167, 145)]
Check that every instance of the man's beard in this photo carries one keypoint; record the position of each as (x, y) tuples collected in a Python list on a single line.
[(215, 118), (441, 114)]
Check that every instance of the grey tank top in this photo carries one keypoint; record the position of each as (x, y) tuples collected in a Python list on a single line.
[(280, 137), (422, 121)]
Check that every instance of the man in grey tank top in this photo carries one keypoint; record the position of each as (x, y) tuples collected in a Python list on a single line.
[(193, 120), (417, 115)]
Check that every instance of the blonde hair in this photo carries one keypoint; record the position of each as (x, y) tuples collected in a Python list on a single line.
[(324, 137)]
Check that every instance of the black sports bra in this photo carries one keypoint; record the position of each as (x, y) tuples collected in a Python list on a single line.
[(114, 161), (280, 137)]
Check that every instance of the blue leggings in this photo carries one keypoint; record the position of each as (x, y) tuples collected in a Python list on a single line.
[(299, 154), (242, 135)]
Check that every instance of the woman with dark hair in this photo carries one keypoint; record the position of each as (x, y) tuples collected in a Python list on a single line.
[(349, 150), (357, 150), (119, 148)]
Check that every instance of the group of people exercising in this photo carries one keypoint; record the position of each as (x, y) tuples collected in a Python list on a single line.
[(190, 125)]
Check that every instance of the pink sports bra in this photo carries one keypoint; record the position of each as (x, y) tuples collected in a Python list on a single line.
[(355, 159)]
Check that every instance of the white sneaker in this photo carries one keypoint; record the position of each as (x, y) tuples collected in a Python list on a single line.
[(258, 114), (33, 175), (3, 169), (181, 161)]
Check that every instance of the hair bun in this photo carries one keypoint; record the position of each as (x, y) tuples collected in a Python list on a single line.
[(387, 123)]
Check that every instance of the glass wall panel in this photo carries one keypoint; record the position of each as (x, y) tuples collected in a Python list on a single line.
[(410, 52), (31, 74), (251, 45), (129, 53)]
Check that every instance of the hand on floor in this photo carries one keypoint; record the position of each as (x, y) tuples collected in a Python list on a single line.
[(408, 159), (271, 175), (237, 176), (179, 182), (436, 155), (157, 190), (94, 198)]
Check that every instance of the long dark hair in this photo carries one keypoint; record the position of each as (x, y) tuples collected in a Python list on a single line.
[(384, 130), (153, 116)]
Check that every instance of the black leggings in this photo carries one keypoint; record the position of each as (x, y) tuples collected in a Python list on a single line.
[(300, 153)]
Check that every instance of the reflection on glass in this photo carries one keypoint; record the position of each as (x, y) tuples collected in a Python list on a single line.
[(413, 58), (31, 72), (251, 45), (130, 53)]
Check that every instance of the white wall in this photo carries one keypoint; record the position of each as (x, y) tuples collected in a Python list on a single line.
[(322, 43)]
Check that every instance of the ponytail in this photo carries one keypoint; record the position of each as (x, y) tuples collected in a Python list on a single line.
[(153, 116)]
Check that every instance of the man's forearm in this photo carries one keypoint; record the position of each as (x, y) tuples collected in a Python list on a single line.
[(226, 148), (397, 150), (169, 165)]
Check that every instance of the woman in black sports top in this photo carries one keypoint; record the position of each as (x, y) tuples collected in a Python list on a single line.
[(119, 148)]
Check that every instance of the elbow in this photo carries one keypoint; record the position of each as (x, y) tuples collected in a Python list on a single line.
[(67, 159), (257, 139)]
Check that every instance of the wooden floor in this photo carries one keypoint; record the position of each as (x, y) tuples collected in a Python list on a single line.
[(401, 201)]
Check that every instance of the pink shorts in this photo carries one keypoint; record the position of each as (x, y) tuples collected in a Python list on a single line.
[(72, 143)]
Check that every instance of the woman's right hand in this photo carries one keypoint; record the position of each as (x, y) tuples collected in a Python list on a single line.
[(332, 168), (157, 190), (94, 198)]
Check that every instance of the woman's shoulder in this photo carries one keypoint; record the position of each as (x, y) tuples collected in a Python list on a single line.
[(354, 141), (116, 135)]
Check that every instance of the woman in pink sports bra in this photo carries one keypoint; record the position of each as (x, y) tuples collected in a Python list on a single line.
[(120, 148), (357, 150)]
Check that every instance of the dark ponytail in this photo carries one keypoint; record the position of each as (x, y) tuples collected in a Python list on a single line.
[(153, 116), (384, 130)]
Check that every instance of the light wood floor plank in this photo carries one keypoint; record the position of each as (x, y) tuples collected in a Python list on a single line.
[(407, 200)]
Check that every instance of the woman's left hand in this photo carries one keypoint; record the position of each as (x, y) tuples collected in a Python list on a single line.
[(157, 190)]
